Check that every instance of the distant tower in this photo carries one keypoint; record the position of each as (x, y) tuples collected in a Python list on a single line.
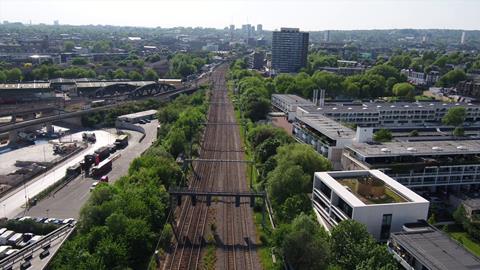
[(55, 22), (424, 39), (326, 36), (462, 40), (259, 28)]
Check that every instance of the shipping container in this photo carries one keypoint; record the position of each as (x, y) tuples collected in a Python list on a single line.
[(102, 168), (103, 153)]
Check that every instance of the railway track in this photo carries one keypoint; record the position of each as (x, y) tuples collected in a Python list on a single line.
[(235, 234)]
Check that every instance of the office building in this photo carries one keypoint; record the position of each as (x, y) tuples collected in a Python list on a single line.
[(259, 28), (368, 196), (418, 164), (422, 246), (256, 60), (462, 39), (289, 50)]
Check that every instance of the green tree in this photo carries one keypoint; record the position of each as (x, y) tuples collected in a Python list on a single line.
[(303, 244), (3, 77), (119, 74), (78, 61), (451, 78), (151, 75), (459, 132), (352, 247), (382, 135), (135, 76), (14, 75), (403, 90), (68, 46), (455, 116), (285, 182)]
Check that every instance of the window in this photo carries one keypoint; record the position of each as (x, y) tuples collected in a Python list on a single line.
[(325, 190), (346, 209), (386, 225)]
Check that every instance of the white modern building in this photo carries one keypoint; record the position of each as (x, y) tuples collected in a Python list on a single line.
[(369, 197), (289, 103)]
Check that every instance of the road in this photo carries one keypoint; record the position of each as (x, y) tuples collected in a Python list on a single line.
[(12, 202), (68, 202)]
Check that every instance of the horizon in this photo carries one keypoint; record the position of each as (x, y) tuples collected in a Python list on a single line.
[(308, 15)]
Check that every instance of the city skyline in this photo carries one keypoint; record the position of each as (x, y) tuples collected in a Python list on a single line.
[(307, 15)]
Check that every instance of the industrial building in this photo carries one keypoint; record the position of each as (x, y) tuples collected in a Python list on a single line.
[(289, 50), (422, 246), (419, 163), (368, 196)]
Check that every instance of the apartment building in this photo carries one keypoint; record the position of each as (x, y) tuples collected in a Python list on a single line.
[(419, 163), (368, 196)]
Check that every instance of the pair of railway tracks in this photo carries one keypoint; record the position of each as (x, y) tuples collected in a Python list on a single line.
[(235, 236)]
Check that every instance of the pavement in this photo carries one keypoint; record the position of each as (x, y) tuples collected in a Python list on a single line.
[(13, 201), (68, 201), (40, 152)]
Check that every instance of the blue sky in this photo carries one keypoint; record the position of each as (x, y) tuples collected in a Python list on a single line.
[(273, 14)]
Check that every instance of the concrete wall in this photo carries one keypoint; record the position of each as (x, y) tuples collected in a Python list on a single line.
[(129, 126), (402, 213)]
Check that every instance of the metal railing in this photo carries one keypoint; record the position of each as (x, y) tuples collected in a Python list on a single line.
[(28, 250)]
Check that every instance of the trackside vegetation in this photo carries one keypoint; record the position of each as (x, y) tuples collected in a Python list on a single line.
[(285, 171), (121, 223)]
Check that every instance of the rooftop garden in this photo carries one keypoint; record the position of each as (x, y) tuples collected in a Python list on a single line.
[(371, 190)]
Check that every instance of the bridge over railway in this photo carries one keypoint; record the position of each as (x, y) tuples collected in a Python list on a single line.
[(49, 119)]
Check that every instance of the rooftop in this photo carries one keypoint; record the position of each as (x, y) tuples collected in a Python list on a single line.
[(138, 114), (292, 99), (436, 250), (417, 148), (328, 127), (378, 107), (368, 187)]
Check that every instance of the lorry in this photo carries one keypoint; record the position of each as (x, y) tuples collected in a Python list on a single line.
[(102, 153), (121, 141), (74, 170), (89, 137), (101, 169)]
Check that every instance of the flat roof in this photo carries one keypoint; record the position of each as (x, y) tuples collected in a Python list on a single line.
[(436, 250), (379, 107), (138, 114), (417, 148), (331, 179), (328, 127), (33, 85), (292, 99)]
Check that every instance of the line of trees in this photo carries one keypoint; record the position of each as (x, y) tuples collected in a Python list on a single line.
[(286, 171), (50, 71), (121, 223)]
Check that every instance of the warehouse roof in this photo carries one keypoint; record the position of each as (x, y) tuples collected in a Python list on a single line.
[(436, 250)]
